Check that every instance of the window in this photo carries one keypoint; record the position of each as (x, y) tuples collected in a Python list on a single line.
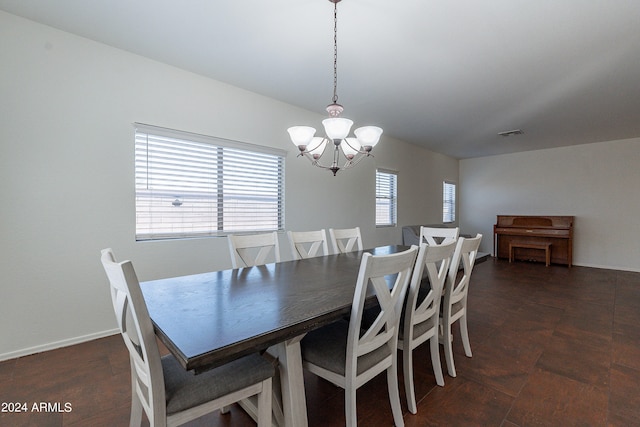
[(190, 185), (448, 201), (386, 198)]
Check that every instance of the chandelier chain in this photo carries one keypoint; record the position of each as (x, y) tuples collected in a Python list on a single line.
[(335, 52)]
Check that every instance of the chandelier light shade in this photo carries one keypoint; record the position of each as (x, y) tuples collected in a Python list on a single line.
[(345, 151)]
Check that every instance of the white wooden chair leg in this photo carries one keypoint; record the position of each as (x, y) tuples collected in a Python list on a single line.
[(394, 395), (264, 404), (464, 332), (435, 360), (136, 409), (350, 412), (409, 389), (448, 350), (224, 410)]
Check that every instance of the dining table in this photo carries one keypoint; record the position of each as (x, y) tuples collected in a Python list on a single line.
[(211, 318)]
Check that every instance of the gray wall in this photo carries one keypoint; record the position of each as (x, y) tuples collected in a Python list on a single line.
[(598, 183), (67, 184)]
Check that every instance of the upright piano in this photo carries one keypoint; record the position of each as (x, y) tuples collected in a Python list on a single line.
[(554, 230)]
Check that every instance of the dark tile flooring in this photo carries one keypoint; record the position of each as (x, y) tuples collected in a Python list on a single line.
[(552, 346)]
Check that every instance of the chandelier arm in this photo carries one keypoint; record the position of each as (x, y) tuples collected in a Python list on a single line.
[(358, 150), (316, 162), (310, 156), (315, 159), (351, 163), (347, 164)]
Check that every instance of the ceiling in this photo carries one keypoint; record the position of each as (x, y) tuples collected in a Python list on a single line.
[(446, 75)]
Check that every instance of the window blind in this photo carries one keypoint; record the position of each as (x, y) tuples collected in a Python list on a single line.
[(448, 201), (386, 195), (190, 185)]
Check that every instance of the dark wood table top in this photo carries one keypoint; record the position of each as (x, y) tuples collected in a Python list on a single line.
[(211, 318)]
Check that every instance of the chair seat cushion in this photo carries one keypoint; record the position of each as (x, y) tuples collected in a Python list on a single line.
[(455, 307), (422, 328), (184, 389), (327, 347)]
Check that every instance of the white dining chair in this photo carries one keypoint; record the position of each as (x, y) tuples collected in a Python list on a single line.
[(248, 250), (454, 301), (168, 393), (306, 244), (345, 240), (349, 356), (439, 235), (422, 312)]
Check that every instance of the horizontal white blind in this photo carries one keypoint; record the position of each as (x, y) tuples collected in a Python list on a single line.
[(448, 201), (190, 185), (386, 194)]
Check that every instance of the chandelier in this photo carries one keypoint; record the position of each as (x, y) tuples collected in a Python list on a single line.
[(346, 150)]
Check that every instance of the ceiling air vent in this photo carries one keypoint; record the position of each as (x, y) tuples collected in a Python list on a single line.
[(511, 132)]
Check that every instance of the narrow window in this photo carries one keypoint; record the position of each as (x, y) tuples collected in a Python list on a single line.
[(386, 198), (190, 185), (448, 201)]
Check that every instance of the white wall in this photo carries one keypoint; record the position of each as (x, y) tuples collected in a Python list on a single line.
[(598, 183), (67, 186)]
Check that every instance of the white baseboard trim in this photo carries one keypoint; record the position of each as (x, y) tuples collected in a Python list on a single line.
[(591, 265), (608, 267), (57, 344)]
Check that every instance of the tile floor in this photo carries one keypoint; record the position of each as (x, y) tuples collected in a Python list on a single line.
[(552, 346)]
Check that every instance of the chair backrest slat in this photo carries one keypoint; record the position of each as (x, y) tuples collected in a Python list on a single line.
[(253, 249), (306, 244), (439, 235), (346, 240)]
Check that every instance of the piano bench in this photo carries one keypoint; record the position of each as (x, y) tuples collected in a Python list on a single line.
[(545, 246)]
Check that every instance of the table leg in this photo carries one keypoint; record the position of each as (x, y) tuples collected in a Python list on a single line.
[(289, 403), (250, 405), (294, 404)]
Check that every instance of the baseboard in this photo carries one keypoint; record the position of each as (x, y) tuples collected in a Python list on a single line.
[(57, 344), (482, 257), (608, 267), (590, 265)]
